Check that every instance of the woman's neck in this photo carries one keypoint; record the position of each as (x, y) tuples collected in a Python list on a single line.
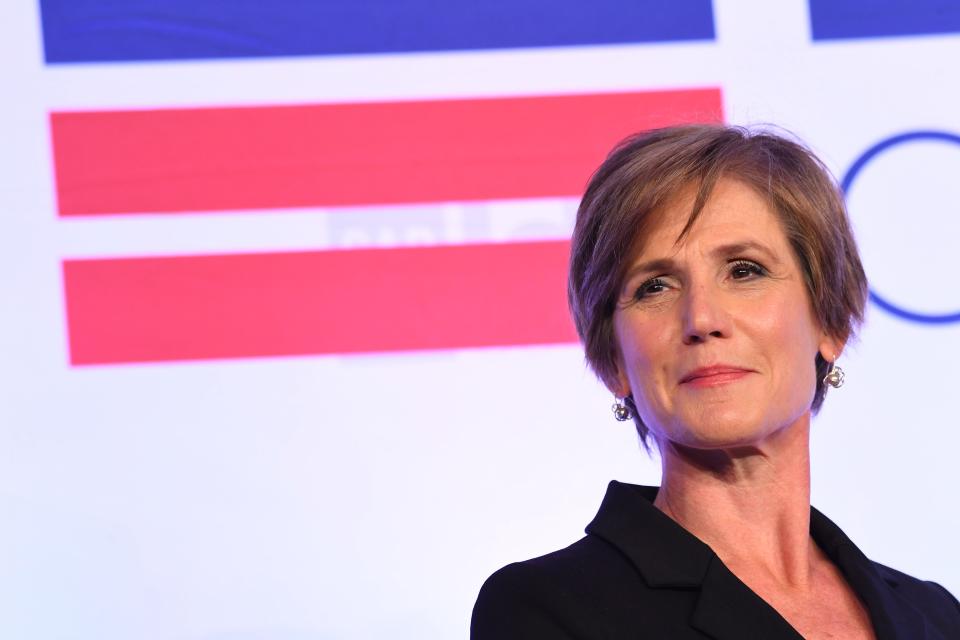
[(751, 505)]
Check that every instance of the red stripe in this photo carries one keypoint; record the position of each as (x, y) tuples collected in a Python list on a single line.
[(178, 160), (234, 306)]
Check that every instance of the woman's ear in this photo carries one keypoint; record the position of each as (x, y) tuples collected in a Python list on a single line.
[(617, 384), (831, 347)]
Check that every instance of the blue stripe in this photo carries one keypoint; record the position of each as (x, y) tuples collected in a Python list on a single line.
[(127, 30), (842, 19)]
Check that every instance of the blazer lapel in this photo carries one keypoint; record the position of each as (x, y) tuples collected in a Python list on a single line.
[(728, 610), (893, 618), (670, 557), (665, 554)]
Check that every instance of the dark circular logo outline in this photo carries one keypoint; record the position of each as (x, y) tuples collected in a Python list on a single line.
[(847, 182)]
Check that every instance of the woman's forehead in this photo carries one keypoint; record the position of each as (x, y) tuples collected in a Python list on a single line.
[(733, 213)]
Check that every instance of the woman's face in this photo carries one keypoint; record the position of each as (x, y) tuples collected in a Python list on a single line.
[(717, 337)]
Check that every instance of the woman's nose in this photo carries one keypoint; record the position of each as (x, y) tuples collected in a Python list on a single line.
[(704, 315)]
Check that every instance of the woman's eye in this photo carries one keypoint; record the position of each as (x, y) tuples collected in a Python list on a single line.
[(745, 269), (650, 287)]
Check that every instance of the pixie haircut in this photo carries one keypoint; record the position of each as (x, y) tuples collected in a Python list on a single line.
[(647, 171)]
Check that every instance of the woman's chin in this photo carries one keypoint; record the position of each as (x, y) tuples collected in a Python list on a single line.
[(717, 430)]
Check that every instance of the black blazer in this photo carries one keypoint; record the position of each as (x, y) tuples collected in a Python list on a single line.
[(638, 574)]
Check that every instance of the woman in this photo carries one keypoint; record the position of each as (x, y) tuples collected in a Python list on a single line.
[(714, 282)]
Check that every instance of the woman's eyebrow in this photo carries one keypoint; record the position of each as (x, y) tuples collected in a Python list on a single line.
[(657, 264), (735, 248)]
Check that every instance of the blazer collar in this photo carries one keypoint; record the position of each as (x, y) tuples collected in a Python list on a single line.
[(892, 616), (668, 556), (665, 554)]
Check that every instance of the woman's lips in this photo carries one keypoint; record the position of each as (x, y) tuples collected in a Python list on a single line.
[(713, 376)]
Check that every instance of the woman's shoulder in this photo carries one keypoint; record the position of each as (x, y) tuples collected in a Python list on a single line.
[(566, 591), (598, 586), (936, 603), (585, 562)]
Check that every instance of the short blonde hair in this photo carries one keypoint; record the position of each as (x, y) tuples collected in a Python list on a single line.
[(647, 170)]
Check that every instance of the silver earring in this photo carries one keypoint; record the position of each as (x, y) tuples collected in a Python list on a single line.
[(834, 377), (621, 411)]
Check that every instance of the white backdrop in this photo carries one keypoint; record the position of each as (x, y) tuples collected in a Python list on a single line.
[(369, 496)]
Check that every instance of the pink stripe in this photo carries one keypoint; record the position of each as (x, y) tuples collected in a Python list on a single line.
[(175, 160), (277, 304)]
